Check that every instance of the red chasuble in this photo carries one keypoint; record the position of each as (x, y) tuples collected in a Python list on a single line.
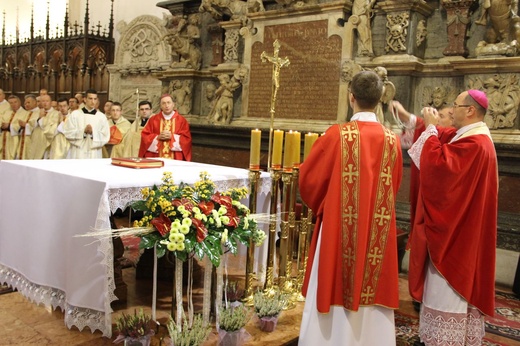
[(456, 220), (177, 125), (350, 180), (444, 137)]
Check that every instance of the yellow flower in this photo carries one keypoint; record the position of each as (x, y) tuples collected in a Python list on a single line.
[(172, 246), (185, 229), (224, 237), (180, 247), (187, 221)]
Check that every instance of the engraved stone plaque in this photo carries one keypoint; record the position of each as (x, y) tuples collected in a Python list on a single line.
[(309, 86)]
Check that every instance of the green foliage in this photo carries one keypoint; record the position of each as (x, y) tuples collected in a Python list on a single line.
[(234, 318), (269, 305), (183, 334), (195, 219)]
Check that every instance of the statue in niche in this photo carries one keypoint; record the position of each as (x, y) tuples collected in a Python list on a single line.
[(504, 99), (181, 93), (502, 37), (387, 96), (210, 98), (362, 13), (184, 37), (397, 26), (223, 111), (439, 96)]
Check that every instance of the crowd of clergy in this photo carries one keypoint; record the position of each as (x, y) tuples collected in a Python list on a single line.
[(39, 127)]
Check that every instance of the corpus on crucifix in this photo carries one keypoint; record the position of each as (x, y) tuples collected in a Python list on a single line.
[(278, 63)]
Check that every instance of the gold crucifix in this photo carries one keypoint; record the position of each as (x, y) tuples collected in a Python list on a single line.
[(278, 63)]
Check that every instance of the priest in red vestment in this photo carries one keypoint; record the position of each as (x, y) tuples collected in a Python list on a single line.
[(350, 180), (455, 225), (167, 134)]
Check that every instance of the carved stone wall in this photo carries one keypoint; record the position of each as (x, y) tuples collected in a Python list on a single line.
[(141, 51), (431, 50)]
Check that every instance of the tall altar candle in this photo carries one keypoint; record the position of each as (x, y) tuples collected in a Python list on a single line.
[(288, 150), (310, 138), (276, 160), (254, 158), (297, 148)]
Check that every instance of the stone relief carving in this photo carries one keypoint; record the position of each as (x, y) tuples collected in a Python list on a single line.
[(235, 9), (181, 92), (503, 93), (362, 13), (422, 32), (231, 45), (129, 99), (397, 26), (502, 37), (184, 38), (457, 21), (295, 3), (348, 69), (222, 112), (438, 96), (387, 96), (140, 48), (209, 98)]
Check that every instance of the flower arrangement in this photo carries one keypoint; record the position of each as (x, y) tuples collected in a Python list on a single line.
[(233, 318), (134, 326), (269, 305), (183, 334), (195, 219)]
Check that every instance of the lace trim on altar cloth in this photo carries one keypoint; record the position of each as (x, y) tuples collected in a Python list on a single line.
[(121, 197), (52, 297), (440, 328)]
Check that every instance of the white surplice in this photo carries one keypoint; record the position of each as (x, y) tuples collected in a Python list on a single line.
[(370, 325), (83, 146)]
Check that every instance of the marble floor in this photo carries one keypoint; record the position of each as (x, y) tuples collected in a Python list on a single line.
[(24, 323)]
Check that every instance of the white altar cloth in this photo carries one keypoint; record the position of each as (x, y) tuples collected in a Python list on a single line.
[(44, 204)]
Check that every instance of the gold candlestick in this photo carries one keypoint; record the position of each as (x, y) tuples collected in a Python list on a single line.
[(254, 177), (276, 175)]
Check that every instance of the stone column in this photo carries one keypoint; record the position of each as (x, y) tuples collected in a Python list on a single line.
[(457, 26)]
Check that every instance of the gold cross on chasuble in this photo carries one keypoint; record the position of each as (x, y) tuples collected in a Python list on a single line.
[(164, 148)]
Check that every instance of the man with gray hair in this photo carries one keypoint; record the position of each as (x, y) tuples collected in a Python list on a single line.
[(43, 129)]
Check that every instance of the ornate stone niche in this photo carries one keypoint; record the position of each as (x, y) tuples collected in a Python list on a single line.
[(141, 51)]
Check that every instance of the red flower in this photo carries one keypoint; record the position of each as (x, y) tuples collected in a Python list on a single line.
[(206, 207), (233, 221), (162, 224), (225, 201), (202, 232)]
